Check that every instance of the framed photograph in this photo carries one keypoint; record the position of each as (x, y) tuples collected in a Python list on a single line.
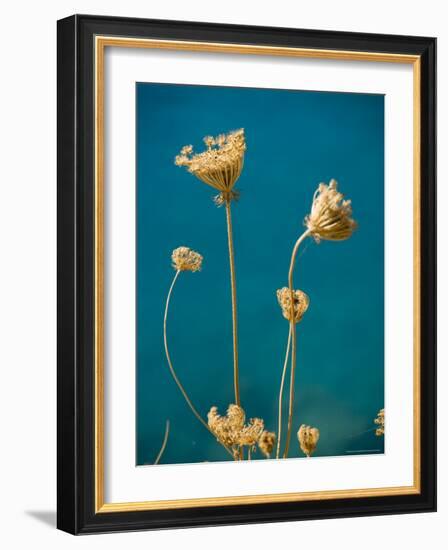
[(246, 274)]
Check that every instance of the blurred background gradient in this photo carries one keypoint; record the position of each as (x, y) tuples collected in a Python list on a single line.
[(295, 140)]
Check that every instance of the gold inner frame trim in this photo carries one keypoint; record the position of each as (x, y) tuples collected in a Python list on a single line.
[(101, 42)]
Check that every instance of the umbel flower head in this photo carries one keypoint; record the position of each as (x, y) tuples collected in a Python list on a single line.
[(308, 438), (379, 421), (219, 165), (185, 259), (330, 218), (266, 443), (301, 303), (231, 430)]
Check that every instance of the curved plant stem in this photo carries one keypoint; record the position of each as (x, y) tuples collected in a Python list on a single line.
[(165, 440), (293, 339), (236, 382), (280, 397), (173, 372)]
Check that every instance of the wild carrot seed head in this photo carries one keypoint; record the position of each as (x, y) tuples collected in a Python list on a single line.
[(220, 165), (266, 443), (232, 430), (301, 303), (380, 422), (308, 438), (330, 217), (185, 259)]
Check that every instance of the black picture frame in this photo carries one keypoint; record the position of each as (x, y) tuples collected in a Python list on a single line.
[(76, 255)]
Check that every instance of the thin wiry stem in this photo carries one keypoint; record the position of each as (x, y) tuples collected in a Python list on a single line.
[(362, 433), (236, 382), (165, 440), (280, 397), (293, 339), (170, 364)]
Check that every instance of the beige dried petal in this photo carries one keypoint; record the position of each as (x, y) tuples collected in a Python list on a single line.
[(330, 218)]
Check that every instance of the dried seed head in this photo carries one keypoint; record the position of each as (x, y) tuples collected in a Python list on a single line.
[(219, 165), (380, 421), (251, 432), (236, 417), (308, 438), (231, 430), (301, 303), (221, 427), (266, 443), (330, 218), (185, 259)]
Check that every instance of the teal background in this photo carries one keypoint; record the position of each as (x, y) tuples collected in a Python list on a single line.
[(295, 140)]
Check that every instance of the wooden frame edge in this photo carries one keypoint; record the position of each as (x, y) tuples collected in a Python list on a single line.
[(100, 43)]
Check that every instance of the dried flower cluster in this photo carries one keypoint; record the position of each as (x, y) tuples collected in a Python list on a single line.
[(330, 218), (185, 259), (231, 430), (301, 302), (379, 420), (219, 165), (266, 443), (308, 438)]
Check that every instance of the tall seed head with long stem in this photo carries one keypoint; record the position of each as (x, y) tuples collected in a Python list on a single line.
[(219, 165), (294, 304), (329, 219)]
